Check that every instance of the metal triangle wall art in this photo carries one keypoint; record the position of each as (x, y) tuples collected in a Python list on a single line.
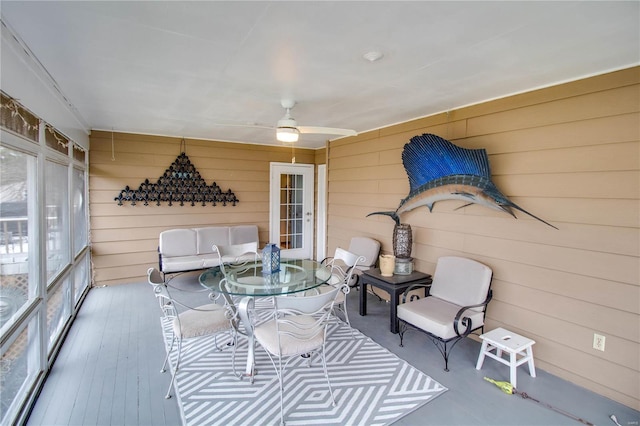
[(180, 184)]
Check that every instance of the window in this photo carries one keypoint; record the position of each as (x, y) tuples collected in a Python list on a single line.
[(20, 364), (58, 310), (81, 277), (55, 140), (57, 217), (44, 256), (14, 117), (79, 211), (18, 236)]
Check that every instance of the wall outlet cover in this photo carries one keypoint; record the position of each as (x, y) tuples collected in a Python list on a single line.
[(598, 342)]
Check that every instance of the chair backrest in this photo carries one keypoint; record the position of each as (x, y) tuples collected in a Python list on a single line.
[(236, 254), (155, 278), (367, 247), (462, 281), (316, 308), (343, 264)]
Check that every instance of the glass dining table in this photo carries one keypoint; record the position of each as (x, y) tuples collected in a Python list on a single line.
[(247, 282)]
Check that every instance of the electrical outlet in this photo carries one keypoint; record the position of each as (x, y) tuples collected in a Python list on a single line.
[(598, 342)]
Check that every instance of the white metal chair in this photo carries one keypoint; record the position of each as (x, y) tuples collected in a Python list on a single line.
[(236, 255), (455, 307), (343, 265), (188, 322), (367, 247), (296, 327)]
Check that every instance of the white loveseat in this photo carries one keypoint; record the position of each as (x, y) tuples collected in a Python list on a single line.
[(190, 249)]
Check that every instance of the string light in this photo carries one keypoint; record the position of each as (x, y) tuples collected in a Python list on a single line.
[(15, 108), (62, 142)]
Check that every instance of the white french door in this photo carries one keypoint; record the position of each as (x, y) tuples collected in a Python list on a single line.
[(291, 207)]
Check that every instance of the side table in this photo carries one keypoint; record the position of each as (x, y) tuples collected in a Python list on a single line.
[(394, 285)]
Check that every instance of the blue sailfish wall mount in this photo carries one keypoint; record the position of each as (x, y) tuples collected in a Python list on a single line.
[(439, 170)]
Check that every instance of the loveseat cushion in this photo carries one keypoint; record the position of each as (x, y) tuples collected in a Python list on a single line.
[(192, 248), (181, 263), (207, 237), (177, 242), (243, 234)]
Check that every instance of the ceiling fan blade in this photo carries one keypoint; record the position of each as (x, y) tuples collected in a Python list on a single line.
[(327, 130), (246, 125)]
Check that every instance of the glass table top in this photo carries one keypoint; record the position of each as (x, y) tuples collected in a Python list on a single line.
[(296, 275)]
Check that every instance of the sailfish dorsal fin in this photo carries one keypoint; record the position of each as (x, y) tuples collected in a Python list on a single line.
[(428, 157)]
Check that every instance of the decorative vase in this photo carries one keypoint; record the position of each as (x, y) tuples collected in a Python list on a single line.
[(402, 240), (387, 264), (270, 259)]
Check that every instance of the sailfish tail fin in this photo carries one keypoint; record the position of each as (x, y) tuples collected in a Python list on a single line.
[(391, 214)]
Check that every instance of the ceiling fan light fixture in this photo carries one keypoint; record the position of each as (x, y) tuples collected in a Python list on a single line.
[(287, 134)]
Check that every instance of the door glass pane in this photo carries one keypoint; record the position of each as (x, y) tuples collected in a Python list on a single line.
[(19, 366), (56, 212), (79, 212), (291, 208), (58, 310), (17, 236)]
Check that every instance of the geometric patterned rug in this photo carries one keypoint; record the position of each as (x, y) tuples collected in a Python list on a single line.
[(371, 385)]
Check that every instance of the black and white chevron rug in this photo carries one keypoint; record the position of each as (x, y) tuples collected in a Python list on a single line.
[(371, 385)]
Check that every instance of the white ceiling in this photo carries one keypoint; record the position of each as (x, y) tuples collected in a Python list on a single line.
[(187, 69)]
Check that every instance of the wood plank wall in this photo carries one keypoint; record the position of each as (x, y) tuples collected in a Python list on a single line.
[(124, 239), (569, 154)]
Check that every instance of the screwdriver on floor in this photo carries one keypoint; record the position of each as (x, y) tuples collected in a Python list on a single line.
[(508, 388)]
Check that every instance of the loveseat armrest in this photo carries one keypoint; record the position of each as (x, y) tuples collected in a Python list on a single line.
[(466, 321)]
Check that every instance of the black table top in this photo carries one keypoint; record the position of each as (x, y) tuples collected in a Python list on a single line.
[(395, 278)]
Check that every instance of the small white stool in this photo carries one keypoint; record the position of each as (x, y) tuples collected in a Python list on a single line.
[(512, 343)]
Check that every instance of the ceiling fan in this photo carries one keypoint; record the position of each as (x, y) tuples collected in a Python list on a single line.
[(288, 130)]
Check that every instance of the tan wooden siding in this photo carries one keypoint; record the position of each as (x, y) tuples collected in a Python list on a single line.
[(568, 154), (124, 239)]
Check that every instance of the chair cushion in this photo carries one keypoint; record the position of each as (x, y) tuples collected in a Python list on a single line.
[(267, 336), (207, 319), (436, 316), (367, 247), (325, 288), (461, 281)]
